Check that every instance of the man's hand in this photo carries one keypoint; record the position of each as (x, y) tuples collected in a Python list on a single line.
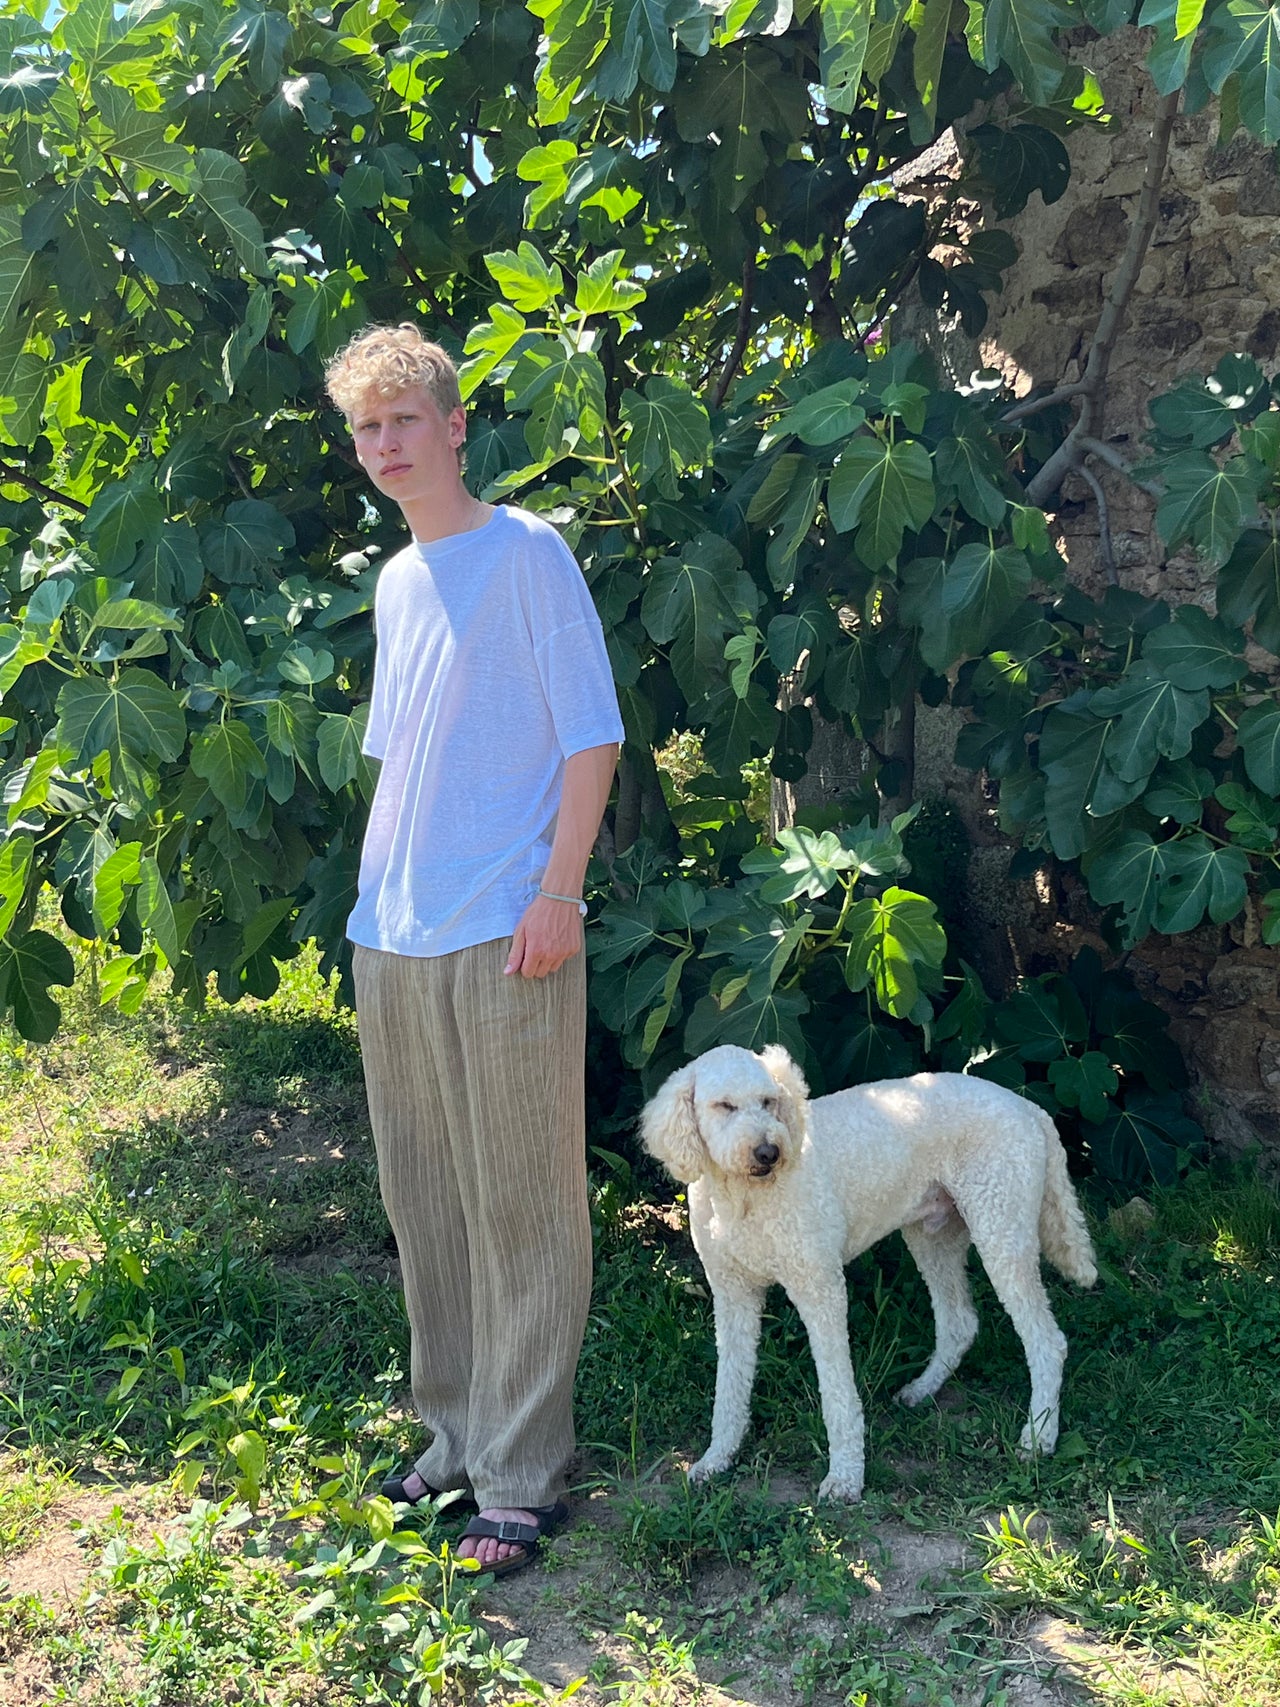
[(549, 934)]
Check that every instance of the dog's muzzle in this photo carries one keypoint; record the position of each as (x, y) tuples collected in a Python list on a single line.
[(763, 1160)]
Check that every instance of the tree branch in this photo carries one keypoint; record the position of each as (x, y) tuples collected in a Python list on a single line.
[(1070, 453), (433, 301), (1111, 456), (1034, 405), (739, 346), (38, 489), (826, 320), (1105, 545)]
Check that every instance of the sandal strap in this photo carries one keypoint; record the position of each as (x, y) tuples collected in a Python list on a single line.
[(503, 1529)]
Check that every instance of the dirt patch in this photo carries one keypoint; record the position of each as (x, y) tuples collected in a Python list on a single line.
[(34, 1683), (1075, 1654), (56, 1568), (259, 1145), (362, 1265), (561, 1610)]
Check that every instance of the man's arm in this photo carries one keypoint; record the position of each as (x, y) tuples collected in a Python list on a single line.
[(551, 931)]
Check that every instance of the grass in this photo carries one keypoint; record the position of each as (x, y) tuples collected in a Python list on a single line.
[(202, 1353), (27, 1491)]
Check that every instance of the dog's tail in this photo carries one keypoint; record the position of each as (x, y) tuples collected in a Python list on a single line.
[(1064, 1237)]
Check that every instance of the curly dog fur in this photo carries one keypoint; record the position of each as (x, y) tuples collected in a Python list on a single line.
[(788, 1190)]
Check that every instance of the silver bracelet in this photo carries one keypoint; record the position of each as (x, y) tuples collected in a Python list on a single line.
[(573, 900)]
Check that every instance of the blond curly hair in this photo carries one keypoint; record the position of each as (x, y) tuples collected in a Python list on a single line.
[(386, 360)]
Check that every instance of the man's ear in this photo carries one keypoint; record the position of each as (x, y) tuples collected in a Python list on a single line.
[(669, 1127), (790, 1082)]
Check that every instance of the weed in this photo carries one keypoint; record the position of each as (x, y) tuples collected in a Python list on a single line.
[(812, 1560), (667, 1536), (663, 1673), (384, 1615), (201, 1609), (1155, 1590), (868, 1667), (26, 1493), (23, 1621)]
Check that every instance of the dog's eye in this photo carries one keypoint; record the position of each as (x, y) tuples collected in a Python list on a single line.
[(769, 1102), (726, 1107)]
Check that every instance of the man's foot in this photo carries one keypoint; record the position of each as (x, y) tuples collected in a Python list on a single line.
[(415, 1488), (411, 1489), (485, 1547), (505, 1539)]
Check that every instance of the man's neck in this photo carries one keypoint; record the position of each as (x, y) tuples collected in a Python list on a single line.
[(455, 511)]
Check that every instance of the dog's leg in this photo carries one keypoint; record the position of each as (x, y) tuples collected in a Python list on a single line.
[(940, 1258), (738, 1309), (1015, 1274), (825, 1314)]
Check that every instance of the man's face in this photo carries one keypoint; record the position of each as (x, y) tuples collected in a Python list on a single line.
[(407, 445)]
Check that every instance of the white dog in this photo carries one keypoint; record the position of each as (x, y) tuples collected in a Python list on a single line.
[(783, 1189)]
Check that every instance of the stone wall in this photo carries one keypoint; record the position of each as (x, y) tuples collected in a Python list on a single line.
[(1210, 286)]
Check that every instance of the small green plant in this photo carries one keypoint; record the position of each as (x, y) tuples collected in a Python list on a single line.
[(397, 1612), (667, 1537), (663, 1673), (27, 1490), (812, 1559), (240, 1437), (385, 1615), (24, 1619), (868, 1667)]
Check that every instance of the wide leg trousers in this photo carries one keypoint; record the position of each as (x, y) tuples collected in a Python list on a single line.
[(476, 1099)]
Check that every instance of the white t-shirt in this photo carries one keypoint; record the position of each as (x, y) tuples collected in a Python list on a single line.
[(491, 671)]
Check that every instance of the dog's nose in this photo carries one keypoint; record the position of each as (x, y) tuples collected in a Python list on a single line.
[(766, 1154)]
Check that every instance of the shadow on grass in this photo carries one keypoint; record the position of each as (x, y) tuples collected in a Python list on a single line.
[(222, 1235)]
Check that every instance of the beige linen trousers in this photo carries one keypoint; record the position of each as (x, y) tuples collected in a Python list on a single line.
[(475, 1083)]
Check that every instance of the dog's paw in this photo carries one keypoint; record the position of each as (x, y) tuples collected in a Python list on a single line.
[(837, 1487), (707, 1467), (1036, 1442), (916, 1392)]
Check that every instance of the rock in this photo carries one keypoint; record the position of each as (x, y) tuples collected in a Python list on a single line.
[(1164, 334), (1231, 1129), (1263, 342), (1093, 235), (1228, 1051), (1176, 213), (1077, 293), (1243, 153), (1234, 980), (1133, 1219), (1211, 268), (1259, 196)]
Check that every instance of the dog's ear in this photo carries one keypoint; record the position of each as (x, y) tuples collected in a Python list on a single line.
[(669, 1127), (790, 1081)]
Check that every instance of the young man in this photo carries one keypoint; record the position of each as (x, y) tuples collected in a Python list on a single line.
[(495, 718)]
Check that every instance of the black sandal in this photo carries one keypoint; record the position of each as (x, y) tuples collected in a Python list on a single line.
[(547, 1519), (393, 1490)]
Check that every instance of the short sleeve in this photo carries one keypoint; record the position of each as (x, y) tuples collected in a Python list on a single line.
[(578, 683), (573, 662)]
